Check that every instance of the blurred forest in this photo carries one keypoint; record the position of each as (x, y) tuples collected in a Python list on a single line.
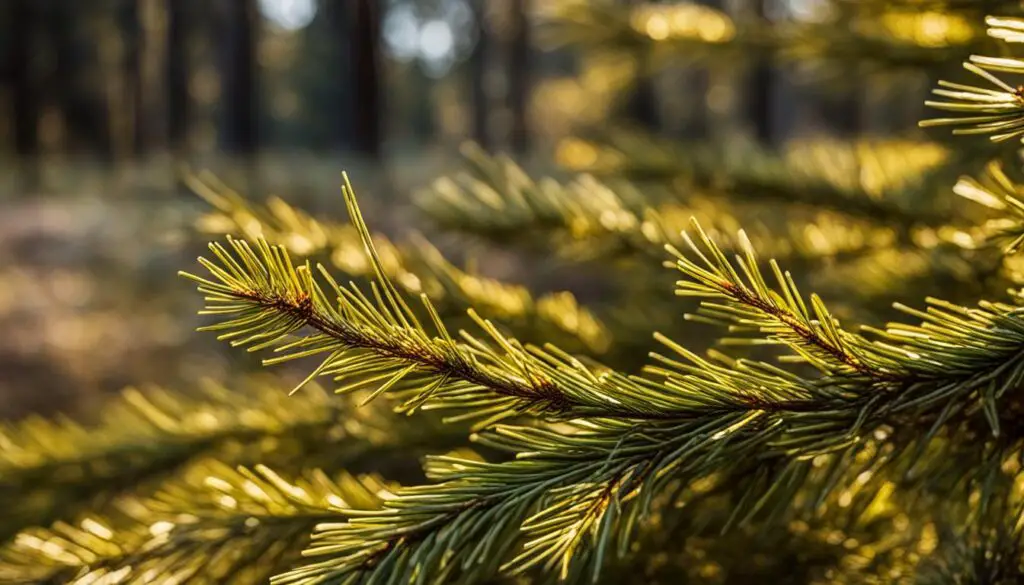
[(105, 102)]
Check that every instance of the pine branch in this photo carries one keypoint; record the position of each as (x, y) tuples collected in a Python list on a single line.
[(998, 112), (588, 218), (987, 545), (266, 300), (572, 495), (140, 437), (997, 191), (416, 267), (572, 500), (233, 526), (806, 327), (576, 492), (882, 182), (891, 39)]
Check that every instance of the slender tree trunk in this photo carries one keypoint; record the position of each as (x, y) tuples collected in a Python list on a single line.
[(239, 78), (761, 95), (178, 101), (478, 81), (366, 78), (338, 22), (642, 105), (132, 29), (21, 24), (642, 102), (519, 76), (86, 113)]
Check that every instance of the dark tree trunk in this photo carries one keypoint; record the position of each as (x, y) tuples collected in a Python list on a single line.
[(478, 81), (843, 113), (86, 112), (21, 25), (338, 20), (519, 76), (132, 28), (366, 78), (642, 102), (239, 78), (761, 93), (642, 105), (178, 101)]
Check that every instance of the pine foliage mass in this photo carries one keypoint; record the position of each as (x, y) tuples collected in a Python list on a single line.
[(799, 449)]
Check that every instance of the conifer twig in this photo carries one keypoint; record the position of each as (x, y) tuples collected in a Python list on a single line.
[(142, 436), (416, 268), (214, 521), (269, 300)]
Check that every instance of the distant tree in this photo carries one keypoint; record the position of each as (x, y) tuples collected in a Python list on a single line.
[(519, 74), (477, 76), (761, 93), (133, 76), (642, 103), (239, 87), (77, 75), (20, 24), (366, 77), (336, 102), (178, 13)]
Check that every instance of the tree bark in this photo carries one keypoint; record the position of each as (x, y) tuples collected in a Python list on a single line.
[(519, 76), (480, 104), (21, 24), (239, 78), (178, 100), (642, 104), (132, 29), (366, 78), (761, 93), (337, 21)]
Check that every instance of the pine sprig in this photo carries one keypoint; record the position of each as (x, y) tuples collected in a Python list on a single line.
[(567, 502), (589, 218), (265, 301), (997, 110), (782, 314), (236, 526), (416, 267), (995, 189), (888, 182), (952, 341), (144, 436)]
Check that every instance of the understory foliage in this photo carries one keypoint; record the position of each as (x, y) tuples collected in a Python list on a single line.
[(575, 440)]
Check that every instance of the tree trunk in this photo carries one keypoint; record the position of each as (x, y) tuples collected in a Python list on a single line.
[(21, 24), (366, 78), (239, 78), (338, 19), (132, 29), (761, 95), (177, 81), (642, 103), (519, 76), (477, 72)]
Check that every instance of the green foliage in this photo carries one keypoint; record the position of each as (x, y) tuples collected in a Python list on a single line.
[(142, 437), (825, 453), (997, 112), (416, 267), (589, 218), (216, 525), (883, 36), (576, 491)]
